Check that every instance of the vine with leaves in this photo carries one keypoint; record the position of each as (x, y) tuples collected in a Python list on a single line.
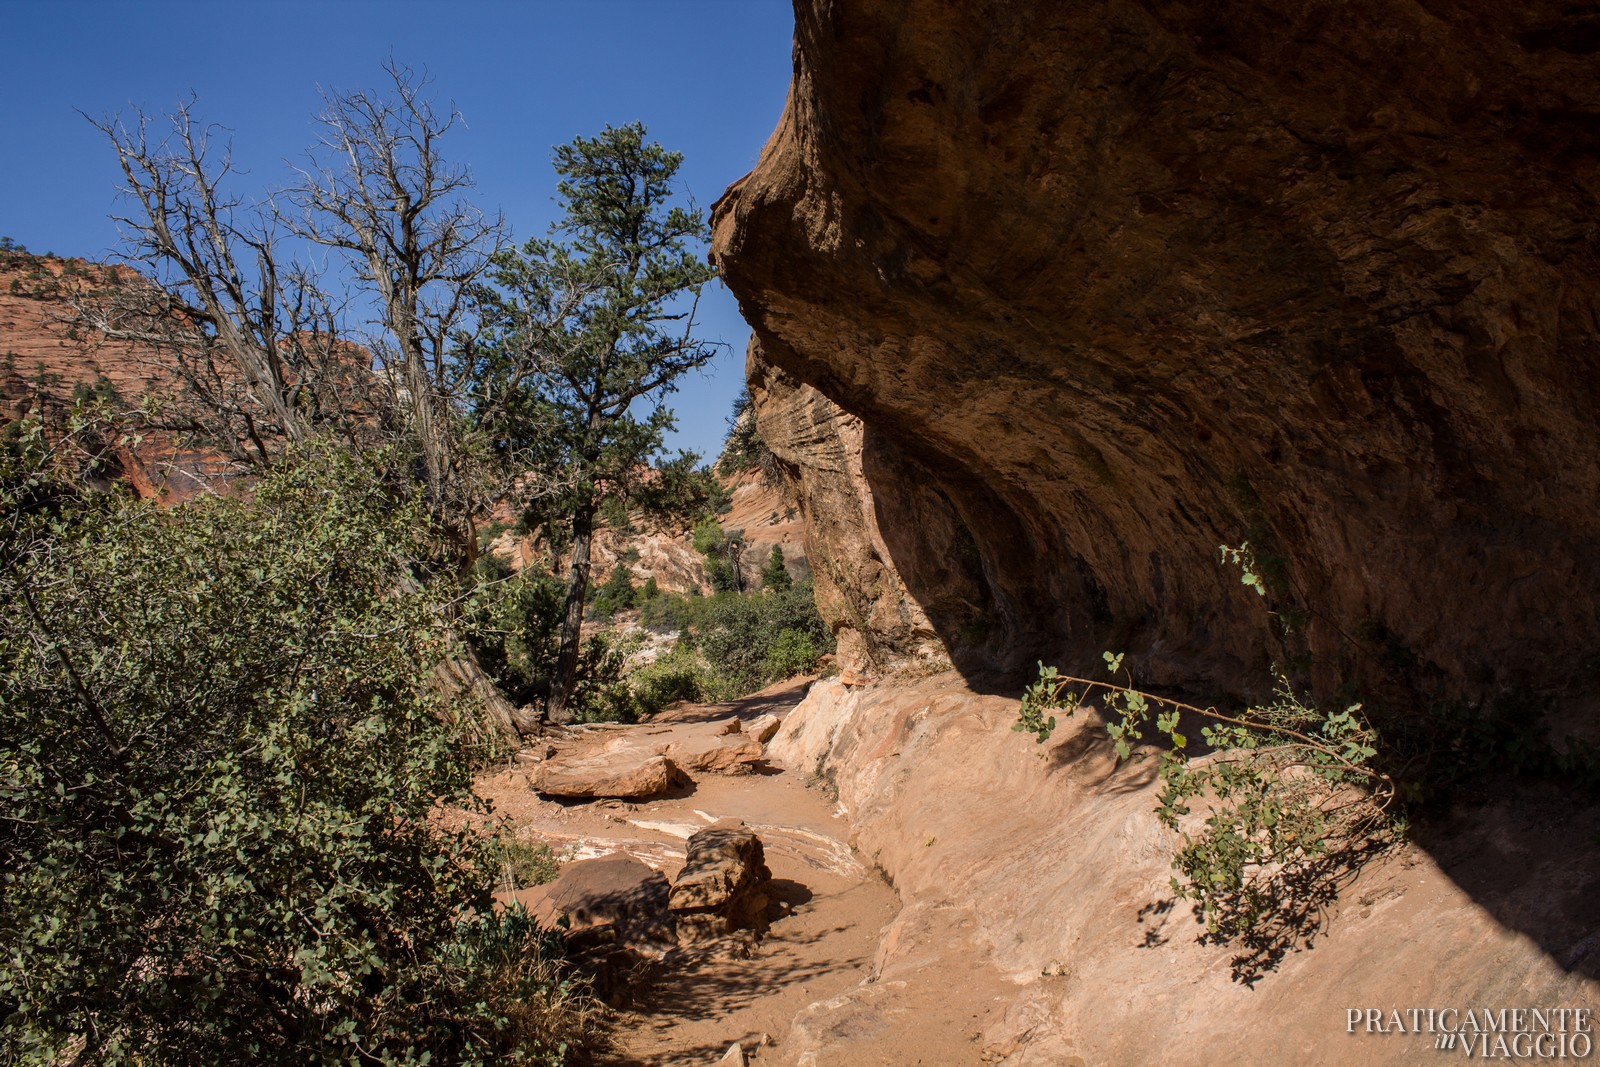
[(1292, 798)]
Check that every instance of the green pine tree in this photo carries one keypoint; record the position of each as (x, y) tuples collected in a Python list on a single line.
[(775, 576), (607, 304)]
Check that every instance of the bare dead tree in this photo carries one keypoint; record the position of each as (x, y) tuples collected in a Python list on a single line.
[(250, 336), (378, 189), (261, 345)]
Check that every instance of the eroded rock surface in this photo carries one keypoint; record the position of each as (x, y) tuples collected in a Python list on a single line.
[(614, 771), (1061, 880), (717, 751), (1108, 286)]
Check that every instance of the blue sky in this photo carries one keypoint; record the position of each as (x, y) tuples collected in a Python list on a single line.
[(708, 77)]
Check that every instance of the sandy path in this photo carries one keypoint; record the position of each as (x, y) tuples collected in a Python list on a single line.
[(826, 946)]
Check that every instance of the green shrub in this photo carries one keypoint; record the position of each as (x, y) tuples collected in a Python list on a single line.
[(221, 769), (523, 864), (614, 595), (602, 693), (792, 652), (708, 535), (774, 575), (489, 533), (514, 625), (666, 613), (1295, 802), (681, 674), (743, 637), (613, 513)]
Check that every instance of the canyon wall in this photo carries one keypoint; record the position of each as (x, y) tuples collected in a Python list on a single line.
[(1100, 288)]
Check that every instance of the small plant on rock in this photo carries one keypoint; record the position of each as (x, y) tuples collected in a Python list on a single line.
[(1293, 799), (1292, 802)]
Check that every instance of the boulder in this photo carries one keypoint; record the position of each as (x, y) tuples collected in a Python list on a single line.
[(611, 772), (615, 891), (724, 885), (715, 752), (763, 728), (854, 678)]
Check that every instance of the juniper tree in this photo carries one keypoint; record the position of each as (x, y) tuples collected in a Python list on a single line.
[(607, 303), (774, 575)]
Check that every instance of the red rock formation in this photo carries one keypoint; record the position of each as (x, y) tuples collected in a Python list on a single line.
[(875, 620), (43, 365), (1110, 285), (1055, 871)]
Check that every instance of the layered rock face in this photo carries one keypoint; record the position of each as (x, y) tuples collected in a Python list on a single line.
[(824, 453), (43, 366), (1104, 287)]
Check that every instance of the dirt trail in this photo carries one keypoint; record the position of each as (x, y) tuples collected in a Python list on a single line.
[(827, 944)]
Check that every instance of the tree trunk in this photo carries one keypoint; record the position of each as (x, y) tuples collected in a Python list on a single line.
[(462, 674), (561, 685)]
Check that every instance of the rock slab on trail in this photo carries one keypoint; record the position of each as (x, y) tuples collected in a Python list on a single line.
[(609, 772), (646, 761), (613, 899)]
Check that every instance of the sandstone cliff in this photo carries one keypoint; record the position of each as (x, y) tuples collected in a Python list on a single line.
[(1101, 288), (44, 365)]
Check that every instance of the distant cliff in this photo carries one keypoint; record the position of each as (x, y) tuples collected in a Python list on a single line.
[(45, 366), (1056, 299)]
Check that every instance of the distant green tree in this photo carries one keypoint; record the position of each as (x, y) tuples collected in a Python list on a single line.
[(724, 552), (744, 448), (608, 306), (775, 576), (514, 625), (615, 594), (752, 640)]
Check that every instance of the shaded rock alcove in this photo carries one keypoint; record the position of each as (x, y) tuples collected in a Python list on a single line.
[(1051, 302)]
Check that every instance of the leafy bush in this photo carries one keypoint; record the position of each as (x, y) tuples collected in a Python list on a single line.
[(708, 535), (523, 864), (723, 551), (792, 652), (752, 640), (613, 512), (667, 613), (1294, 802), (681, 674), (602, 693), (490, 532), (221, 769), (514, 625)]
